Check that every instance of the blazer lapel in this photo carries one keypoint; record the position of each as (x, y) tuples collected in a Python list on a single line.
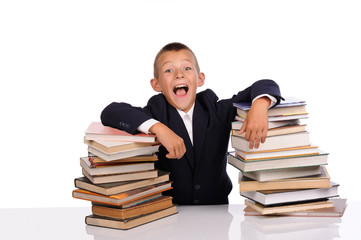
[(177, 125), (200, 122)]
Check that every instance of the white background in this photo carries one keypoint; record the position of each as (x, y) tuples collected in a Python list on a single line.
[(62, 62)]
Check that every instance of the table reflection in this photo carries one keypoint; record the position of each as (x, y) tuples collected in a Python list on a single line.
[(263, 227)]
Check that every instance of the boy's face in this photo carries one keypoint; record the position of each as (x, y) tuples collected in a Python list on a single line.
[(178, 78)]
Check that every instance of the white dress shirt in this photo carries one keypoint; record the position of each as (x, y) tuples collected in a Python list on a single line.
[(187, 118)]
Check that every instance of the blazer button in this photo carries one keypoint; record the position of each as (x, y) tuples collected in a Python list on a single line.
[(197, 187)]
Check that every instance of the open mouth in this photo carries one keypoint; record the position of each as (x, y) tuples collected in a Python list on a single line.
[(180, 90)]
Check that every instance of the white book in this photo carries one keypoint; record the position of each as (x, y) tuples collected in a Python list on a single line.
[(284, 173), (278, 153), (115, 169), (123, 154), (289, 196), (274, 142), (279, 163)]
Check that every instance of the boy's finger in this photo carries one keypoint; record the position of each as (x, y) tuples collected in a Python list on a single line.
[(170, 156), (264, 136), (171, 153), (258, 140), (252, 138), (248, 135), (243, 128)]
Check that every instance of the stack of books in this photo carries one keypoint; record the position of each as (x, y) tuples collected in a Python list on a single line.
[(120, 179), (287, 173)]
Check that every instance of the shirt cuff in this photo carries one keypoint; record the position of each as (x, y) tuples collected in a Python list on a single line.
[(273, 99), (144, 127)]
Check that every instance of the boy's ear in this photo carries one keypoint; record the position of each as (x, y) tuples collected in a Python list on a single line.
[(201, 78), (155, 85)]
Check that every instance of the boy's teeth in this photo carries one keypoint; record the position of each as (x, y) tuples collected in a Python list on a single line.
[(181, 90)]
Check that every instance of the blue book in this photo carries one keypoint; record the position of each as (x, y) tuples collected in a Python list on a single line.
[(288, 102)]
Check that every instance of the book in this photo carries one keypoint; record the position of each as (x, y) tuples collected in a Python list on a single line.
[(278, 111), (129, 176), (97, 161), (283, 173), (277, 131), (97, 131), (319, 181), (272, 197), (279, 118), (338, 209), (133, 202), (122, 198), (287, 208), (237, 125), (276, 163), (114, 169), (287, 102), (278, 153), (129, 223), (115, 146), (274, 142), (119, 187), (148, 150), (134, 211)]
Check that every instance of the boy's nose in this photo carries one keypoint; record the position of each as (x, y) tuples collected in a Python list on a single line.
[(179, 75)]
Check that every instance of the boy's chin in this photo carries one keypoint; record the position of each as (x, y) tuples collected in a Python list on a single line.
[(182, 106), (183, 103)]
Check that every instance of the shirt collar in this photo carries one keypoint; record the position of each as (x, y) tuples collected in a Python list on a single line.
[(189, 113)]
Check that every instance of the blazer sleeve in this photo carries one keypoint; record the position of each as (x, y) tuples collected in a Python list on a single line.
[(126, 117), (224, 108)]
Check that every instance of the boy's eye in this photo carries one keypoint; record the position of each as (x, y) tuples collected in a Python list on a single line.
[(168, 70), (187, 68)]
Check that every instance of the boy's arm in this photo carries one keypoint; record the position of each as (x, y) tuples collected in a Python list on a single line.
[(257, 119), (171, 141), (125, 117), (264, 94), (131, 119), (256, 123)]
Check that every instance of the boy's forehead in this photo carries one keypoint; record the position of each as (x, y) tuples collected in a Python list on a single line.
[(170, 56)]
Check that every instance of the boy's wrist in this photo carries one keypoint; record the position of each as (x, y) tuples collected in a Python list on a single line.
[(156, 128), (147, 125), (263, 102), (272, 99)]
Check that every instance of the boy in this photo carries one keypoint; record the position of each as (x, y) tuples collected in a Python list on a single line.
[(193, 128)]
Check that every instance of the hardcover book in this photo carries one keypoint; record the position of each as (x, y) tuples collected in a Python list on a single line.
[(287, 208), (122, 198), (146, 207), (319, 181), (113, 188), (338, 209), (95, 220), (276, 163), (97, 131)]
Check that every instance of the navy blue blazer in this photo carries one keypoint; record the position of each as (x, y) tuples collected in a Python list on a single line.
[(200, 176)]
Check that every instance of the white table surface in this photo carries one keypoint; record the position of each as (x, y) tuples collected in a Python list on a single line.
[(192, 222)]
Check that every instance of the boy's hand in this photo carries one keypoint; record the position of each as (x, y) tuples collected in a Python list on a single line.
[(256, 123), (171, 141)]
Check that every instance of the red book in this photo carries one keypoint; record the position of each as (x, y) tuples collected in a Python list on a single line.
[(97, 131)]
